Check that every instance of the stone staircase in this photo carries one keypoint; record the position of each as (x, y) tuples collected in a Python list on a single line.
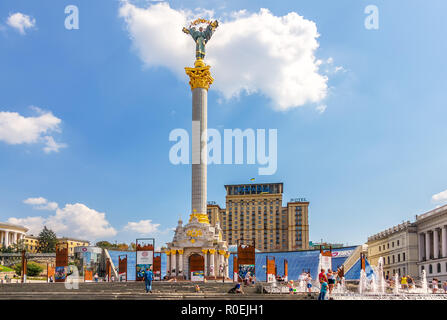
[(136, 290)]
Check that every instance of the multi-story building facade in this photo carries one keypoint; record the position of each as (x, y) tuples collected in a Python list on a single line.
[(255, 212), (432, 239), (73, 243), (398, 248), (32, 243)]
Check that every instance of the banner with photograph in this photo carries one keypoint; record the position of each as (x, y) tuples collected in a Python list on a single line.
[(145, 257), (246, 271), (197, 276), (60, 274)]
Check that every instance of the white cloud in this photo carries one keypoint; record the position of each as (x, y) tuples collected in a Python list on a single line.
[(440, 197), (34, 224), (51, 145), (21, 22), (259, 52), (17, 129), (321, 108), (41, 204), (35, 201), (142, 227), (74, 220)]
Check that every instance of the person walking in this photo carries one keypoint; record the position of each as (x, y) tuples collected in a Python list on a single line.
[(404, 282), (331, 280), (323, 290), (322, 276), (148, 276), (309, 283), (96, 277), (410, 282), (434, 284)]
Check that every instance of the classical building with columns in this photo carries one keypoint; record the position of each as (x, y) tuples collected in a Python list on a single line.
[(432, 241), (398, 248), (11, 234)]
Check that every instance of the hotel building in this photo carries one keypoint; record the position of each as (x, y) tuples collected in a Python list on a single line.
[(255, 212)]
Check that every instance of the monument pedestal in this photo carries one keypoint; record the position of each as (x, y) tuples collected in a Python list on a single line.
[(197, 251)]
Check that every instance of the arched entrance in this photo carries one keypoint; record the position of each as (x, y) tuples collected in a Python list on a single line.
[(196, 265)]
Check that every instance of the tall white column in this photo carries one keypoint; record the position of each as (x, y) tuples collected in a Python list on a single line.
[(200, 80), (444, 241), (205, 262), (180, 261), (212, 257), (6, 239), (435, 244), (173, 262), (427, 246), (221, 264), (227, 268), (168, 262), (421, 246), (199, 159)]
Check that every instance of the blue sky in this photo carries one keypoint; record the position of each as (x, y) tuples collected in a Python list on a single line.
[(373, 158)]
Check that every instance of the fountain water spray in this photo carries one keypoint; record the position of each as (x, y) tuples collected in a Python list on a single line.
[(363, 282), (424, 282), (396, 284)]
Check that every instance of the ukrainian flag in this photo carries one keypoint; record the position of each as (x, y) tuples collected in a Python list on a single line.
[(252, 179)]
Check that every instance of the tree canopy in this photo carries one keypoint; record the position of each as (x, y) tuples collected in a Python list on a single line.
[(47, 241)]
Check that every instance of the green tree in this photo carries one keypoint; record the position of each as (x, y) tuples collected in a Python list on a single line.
[(47, 241), (32, 269), (104, 244)]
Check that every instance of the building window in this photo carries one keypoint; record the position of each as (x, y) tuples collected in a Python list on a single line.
[(403, 256), (398, 258), (387, 245), (438, 268), (430, 269), (397, 242), (392, 244)]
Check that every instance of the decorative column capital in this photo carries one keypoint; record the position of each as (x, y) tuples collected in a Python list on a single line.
[(221, 252), (212, 251), (204, 251), (199, 77), (168, 252), (173, 251), (180, 251)]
